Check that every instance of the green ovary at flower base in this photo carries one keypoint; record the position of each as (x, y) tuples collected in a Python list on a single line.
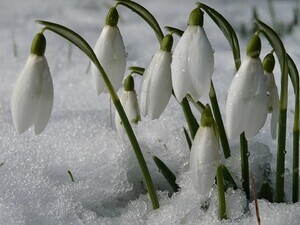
[(110, 51), (32, 96), (193, 60)]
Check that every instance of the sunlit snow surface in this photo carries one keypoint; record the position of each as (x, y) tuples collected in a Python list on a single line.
[(35, 187)]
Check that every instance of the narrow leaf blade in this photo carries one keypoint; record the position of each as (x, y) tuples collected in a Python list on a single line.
[(70, 35), (227, 30), (167, 173)]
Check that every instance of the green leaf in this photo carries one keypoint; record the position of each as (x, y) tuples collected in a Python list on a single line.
[(137, 70), (167, 173), (294, 74), (190, 118), (187, 137), (229, 181), (227, 30), (145, 14), (174, 30)]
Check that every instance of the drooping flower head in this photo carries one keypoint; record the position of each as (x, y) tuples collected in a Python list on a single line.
[(193, 60), (110, 51), (156, 86), (32, 96), (247, 100), (205, 155), (130, 104), (273, 102)]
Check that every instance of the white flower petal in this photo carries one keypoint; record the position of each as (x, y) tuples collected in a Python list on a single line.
[(273, 104), (130, 105), (180, 72), (26, 93), (201, 62), (160, 88), (246, 106), (110, 51), (45, 102), (145, 87), (204, 160)]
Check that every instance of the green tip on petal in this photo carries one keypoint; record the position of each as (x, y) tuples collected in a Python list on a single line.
[(207, 117), (196, 18), (167, 43), (254, 47), (269, 63), (112, 17), (38, 46), (129, 83)]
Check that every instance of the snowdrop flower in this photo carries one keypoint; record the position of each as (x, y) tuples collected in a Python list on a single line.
[(205, 155), (111, 54), (273, 103), (32, 96), (193, 60), (156, 87), (247, 100), (130, 104)]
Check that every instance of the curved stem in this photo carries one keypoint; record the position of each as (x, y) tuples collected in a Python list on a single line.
[(245, 164), (77, 40)]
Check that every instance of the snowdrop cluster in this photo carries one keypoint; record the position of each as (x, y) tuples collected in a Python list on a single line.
[(188, 71)]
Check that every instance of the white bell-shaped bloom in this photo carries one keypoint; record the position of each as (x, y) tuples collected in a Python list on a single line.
[(130, 104), (247, 100), (193, 64), (156, 87), (204, 159), (273, 103), (32, 96), (111, 54)]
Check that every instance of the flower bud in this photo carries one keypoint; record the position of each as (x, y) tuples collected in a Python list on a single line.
[(269, 63)]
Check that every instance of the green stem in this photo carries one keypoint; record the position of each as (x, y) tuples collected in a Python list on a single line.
[(221, 193), (279, 188), (244, 164), (132, 139), (190, 118), (77, 40), (295, 166), (219, 121)]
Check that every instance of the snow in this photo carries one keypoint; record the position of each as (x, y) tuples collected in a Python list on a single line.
[(35, 186)]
